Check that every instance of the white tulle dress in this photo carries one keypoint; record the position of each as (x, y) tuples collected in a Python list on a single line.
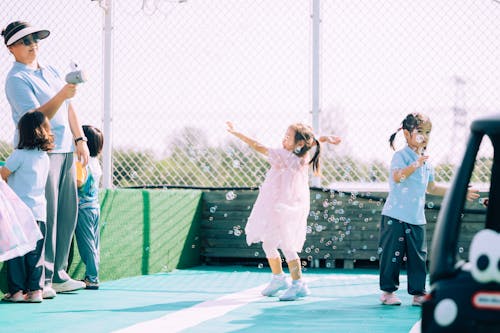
[(279, 215), (19, 231)]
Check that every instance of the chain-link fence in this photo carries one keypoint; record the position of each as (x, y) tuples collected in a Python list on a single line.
[(183, 68)]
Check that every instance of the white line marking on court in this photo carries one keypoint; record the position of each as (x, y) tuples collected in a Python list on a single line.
[(192, 316), (417, 327), (186, 318)]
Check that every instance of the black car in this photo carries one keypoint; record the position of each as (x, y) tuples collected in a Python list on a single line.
[(465, 294)]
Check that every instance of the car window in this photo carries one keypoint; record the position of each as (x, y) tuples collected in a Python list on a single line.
[(474, 213)]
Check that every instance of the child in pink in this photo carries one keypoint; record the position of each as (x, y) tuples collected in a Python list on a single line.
[(19, 232), (279, 215)]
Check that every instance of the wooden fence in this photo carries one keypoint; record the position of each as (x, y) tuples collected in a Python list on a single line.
[(343, 227)]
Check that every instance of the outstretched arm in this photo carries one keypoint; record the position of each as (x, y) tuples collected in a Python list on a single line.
[(332, 139), (258, 147), (433, 188)]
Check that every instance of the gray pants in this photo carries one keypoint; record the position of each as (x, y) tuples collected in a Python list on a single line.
[(87, 239), (61, 216), (399, 239), (26, 272)]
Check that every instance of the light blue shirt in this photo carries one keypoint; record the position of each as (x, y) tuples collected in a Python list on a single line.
[(30, 169), (406, 199), (28, 89)]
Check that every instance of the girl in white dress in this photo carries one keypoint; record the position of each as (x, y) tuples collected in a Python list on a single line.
[(279, 215), (19, 232)]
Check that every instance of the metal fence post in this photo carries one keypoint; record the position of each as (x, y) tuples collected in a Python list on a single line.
[(107, 179), (316, 20)]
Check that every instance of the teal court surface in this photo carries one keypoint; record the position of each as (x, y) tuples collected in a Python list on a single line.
[(217, 299)]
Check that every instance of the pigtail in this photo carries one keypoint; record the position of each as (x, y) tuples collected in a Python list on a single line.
[(315, 159), (392, 137)]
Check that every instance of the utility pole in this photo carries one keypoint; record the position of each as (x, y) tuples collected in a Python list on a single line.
[(107, 92), (459, 128)]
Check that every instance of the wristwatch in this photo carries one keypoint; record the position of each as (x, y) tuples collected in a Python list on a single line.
[(82, 138)]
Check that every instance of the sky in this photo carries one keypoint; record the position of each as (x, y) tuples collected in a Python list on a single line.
[(200, 63)]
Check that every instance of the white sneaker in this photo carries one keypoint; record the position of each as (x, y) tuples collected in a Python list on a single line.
[(48, 292), (276, 284), (390, 299), (297, 290), (70, 285)]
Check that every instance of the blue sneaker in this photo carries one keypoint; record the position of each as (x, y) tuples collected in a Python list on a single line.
[(297, 290), (277, 283)]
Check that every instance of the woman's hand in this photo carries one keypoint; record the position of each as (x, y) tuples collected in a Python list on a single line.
[(68, 91), (82, 152)]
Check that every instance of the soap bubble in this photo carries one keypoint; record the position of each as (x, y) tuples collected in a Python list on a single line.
[(230, 195)]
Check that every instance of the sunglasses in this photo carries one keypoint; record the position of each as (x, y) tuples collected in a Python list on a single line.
[(28, 40)]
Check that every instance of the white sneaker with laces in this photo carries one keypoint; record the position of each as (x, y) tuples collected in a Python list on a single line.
[(277, 283), (297, 290), (66, 286)]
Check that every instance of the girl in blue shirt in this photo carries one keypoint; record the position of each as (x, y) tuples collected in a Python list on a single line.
[(402, 227), (26, 172)]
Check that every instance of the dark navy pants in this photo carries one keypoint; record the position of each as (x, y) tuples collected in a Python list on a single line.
[(26, 273), (400, 240)]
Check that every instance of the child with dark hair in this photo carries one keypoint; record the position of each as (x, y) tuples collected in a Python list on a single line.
[(87, 226), (279, 215), (402, 226), (26, 171)]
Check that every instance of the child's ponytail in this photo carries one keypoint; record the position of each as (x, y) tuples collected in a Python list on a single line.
[(315, 159), (392, 137)]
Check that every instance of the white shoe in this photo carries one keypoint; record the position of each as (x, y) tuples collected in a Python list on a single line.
[(297, 290), (70, 285), (389, 299), (48, 292), (277, 283)]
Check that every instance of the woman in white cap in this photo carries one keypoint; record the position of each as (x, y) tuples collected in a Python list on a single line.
[(31, 85)]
